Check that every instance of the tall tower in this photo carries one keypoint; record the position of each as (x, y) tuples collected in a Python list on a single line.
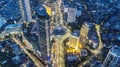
[(44, 30), (26, 10), (113, 58)]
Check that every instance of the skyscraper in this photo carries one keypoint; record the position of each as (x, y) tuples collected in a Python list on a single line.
[(113, 58), (44, 30), (44, 27), (26, 10)]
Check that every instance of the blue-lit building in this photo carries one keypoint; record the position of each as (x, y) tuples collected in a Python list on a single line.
[(41, 12), (113, 58), (26, 10), (13, 29), (44, 30)]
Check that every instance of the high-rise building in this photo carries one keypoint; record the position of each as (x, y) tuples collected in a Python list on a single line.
[(44, 27), (26, 10), (44, 30), (71, 15), (113, 58), (84, 33)]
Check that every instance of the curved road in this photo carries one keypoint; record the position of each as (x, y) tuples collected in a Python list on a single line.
[(98, 50), (31, 56)]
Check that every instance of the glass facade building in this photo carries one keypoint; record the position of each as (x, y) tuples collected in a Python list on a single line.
[(113, 58)]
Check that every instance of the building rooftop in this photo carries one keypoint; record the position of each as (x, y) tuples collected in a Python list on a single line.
[(2, 21), (48, 10), (115, 51), (41, 10), (14, 26)]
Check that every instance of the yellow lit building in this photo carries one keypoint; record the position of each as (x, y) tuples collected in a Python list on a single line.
[(74, 45), (48, 10), (84, 30), (73, 42), (72, 50)]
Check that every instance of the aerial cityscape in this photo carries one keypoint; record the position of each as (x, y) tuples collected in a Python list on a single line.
[(59, 33)]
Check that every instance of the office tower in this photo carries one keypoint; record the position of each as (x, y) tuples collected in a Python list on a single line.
[(44, 30), (113, 58), (26, 10), (44, 37), (71, 14)]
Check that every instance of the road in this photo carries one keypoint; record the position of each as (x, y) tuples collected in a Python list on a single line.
[(98, 50), (99, 38), (59, 60), (31, 56), (59, 14)]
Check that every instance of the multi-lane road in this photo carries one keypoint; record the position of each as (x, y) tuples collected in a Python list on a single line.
[(59, 60), (32, 56)]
